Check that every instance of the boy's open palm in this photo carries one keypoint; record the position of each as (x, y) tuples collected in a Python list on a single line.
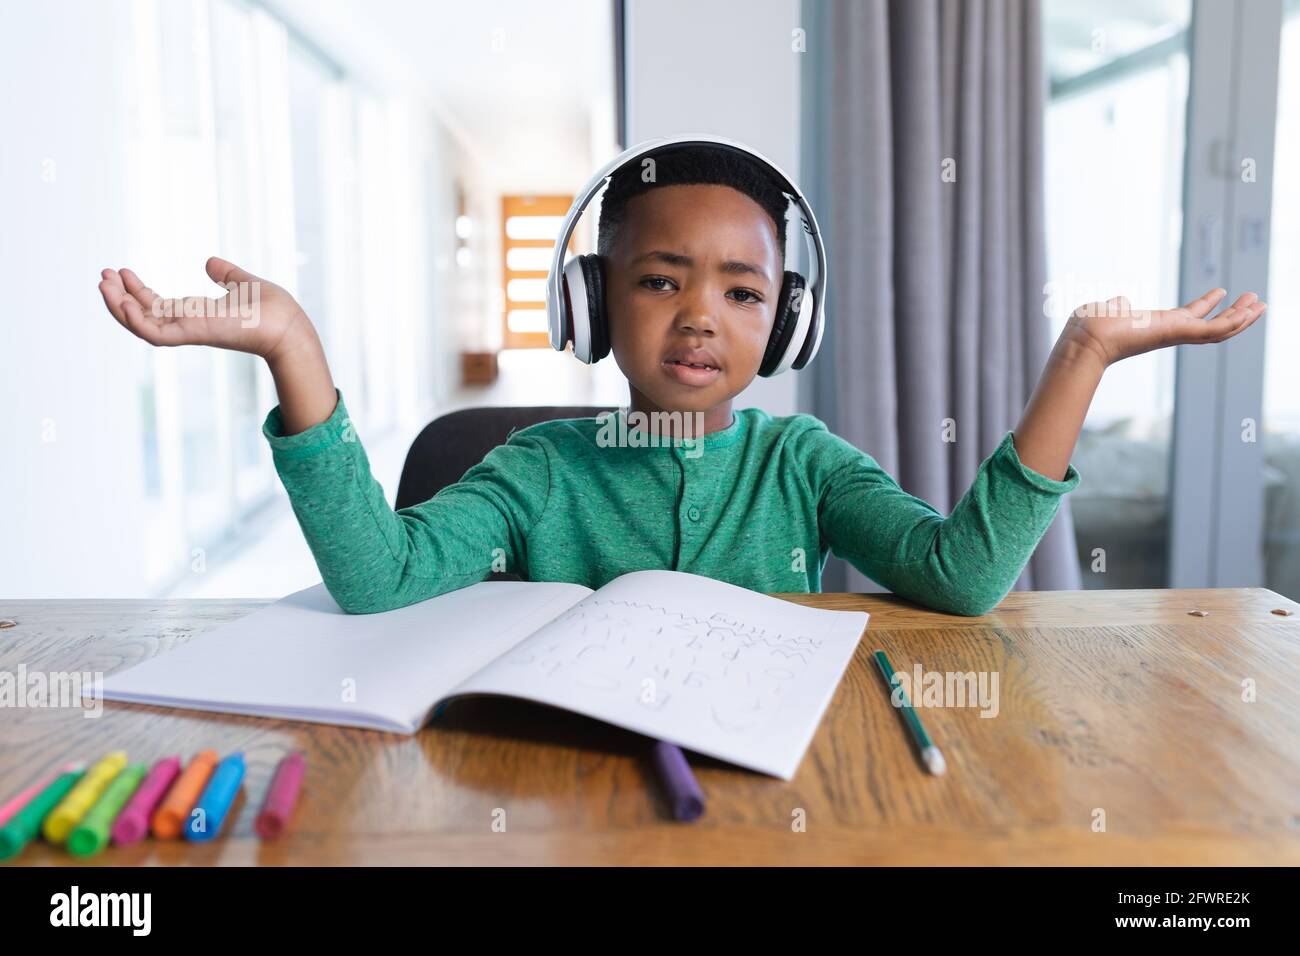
[(1113, 330), (254, 316)]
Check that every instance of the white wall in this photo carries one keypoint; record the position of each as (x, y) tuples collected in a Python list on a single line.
[(69, 498), (718, 67)]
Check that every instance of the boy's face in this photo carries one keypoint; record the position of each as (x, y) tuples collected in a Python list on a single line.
[(694, 275)]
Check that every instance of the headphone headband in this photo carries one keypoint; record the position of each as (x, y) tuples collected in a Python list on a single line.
[(554, 292)]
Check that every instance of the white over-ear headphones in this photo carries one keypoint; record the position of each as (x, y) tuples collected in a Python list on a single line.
[(575, 293)]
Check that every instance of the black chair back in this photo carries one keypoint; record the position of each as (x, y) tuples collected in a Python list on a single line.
[(450, 445)]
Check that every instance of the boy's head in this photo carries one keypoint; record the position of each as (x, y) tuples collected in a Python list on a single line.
[(693, 254)]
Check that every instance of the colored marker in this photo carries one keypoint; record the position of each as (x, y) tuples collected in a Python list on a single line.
[(281, 797), (133, 822), (91, 835), (169, 820), (204, 821), (20, 800), (684, 793), (931, 756), (82, 797), (26, 823)]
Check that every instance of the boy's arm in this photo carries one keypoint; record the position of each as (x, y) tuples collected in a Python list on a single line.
[(1097, 336), (962, 564), (302, 381), (967, 562), (372, 558)]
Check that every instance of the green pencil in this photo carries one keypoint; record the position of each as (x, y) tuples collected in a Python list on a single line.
[(930, 754)]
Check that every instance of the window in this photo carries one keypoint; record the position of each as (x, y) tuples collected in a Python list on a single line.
[(1114, 163), (260, 150), (530, 226)]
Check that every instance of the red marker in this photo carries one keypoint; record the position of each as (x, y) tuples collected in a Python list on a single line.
[(281, 797)]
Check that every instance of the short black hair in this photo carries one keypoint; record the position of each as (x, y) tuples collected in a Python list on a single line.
[(681, 165)]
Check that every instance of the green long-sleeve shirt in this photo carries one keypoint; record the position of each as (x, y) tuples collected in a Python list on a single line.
[(760, 504)]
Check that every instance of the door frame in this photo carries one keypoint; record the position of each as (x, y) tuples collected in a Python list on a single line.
[(1216, 488)]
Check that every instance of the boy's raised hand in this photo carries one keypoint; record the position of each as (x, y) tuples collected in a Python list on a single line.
[(1098, 335), (1113, 330), (254, 316)]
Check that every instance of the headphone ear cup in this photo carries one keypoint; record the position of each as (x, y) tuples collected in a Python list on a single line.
[(812, 341), (593, 271), (583, 308), (785, 322), (573, 316)]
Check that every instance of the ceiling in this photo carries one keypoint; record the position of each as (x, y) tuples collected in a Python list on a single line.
[(517, 83)]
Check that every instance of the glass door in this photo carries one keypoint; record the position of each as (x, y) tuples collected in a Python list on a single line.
[(1280, 431), (1160, 157), (1219, 474), (1114, 154)]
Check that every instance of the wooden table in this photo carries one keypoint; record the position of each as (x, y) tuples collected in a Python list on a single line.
[(1117, 701)]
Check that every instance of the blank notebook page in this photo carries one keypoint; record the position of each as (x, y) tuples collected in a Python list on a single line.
[(303, 658)]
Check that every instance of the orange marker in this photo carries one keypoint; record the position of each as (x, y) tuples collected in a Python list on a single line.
[(169, 818)]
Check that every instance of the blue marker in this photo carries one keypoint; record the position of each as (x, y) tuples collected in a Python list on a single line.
[(204, 821)]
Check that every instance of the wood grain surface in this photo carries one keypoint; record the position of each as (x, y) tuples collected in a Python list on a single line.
[(1114, 701)]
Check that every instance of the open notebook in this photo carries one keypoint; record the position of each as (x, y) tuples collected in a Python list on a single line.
[(709, 666)]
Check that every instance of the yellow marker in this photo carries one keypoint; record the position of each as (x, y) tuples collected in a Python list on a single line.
[(82, 797)]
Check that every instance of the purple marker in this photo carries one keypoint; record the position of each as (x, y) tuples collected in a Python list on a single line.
[(684, 794), (133, 822)]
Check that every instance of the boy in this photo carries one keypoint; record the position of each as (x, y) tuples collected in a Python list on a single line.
[(692, 265)]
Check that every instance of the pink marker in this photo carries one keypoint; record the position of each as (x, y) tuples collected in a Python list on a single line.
[(133, 822), (281, 797), (24, 798)]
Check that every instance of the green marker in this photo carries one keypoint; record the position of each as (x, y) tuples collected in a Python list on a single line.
[(91, 834), (930, 754), (26, 823)]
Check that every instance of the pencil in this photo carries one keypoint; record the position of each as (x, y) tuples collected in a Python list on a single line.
[(930, 754)]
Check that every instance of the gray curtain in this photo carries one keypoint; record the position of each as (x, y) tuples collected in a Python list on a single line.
[(936, 292)]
